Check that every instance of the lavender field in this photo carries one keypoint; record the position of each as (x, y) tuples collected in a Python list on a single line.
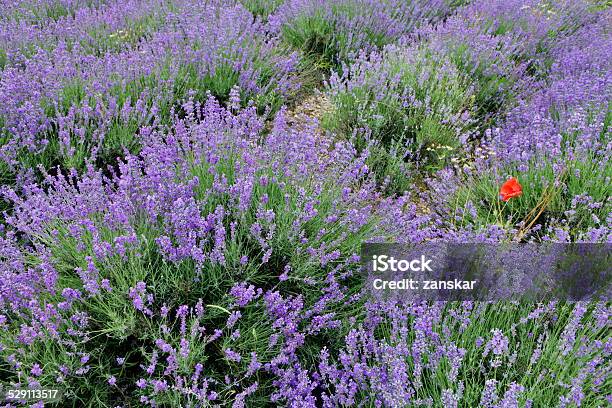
[(185, 188)]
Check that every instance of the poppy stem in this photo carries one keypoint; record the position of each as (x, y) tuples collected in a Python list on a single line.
[(547, 197)]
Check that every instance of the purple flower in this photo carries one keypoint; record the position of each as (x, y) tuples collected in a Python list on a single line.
[(36, 370), (498, 344), (232, 355)]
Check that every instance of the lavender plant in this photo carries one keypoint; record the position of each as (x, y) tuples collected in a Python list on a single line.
[(172, 235), (337, 30), (426, 98), (97, 27), (411, 100), (76, 107), (556, 143), (477, 354), (262, 8), (206, 217)]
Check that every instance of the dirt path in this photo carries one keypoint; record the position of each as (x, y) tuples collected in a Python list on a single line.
[(314, 106)]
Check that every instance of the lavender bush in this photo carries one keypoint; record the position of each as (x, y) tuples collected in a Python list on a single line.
[(206, 214), (556, 143), (446, 83), (97, 27), (74, 106), (337, 30), (174, 233)]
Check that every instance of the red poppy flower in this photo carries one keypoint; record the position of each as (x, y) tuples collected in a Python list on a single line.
[(511, 188)]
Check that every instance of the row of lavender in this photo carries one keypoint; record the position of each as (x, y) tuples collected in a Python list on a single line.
[(522, 89), (213, 263), (554, 139), (81, 86)]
